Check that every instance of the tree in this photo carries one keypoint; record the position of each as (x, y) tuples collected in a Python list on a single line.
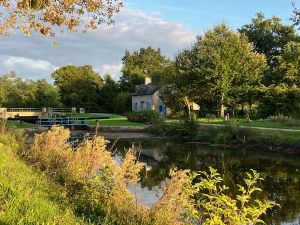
[(178, 85), (49, 17), (18, 93), (289, 64), (78, 86), (122, 102), (108, 93), (147, 62), (296, 17), (11, 89), (45, 94), (269, 36), (219, 62)]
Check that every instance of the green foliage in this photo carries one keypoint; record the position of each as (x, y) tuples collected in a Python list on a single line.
[(109, 93), (296, 17), (220, 66), (26, 196), (147, 62), (122, 102), (217, 207), (78, 86), (289, 64), (145, 116), (14, 92), (269, 36)]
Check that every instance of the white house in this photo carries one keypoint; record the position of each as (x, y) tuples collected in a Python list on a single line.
[(147, 97)]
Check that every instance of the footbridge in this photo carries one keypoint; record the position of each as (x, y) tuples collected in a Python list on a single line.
[(7, 113)]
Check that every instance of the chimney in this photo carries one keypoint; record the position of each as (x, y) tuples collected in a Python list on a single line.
[(148, 80)]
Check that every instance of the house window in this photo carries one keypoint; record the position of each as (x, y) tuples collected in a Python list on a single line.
[(142, 105), (148, 105), (135, 107)]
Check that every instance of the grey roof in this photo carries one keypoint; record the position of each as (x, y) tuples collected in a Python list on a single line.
[(143, 89)]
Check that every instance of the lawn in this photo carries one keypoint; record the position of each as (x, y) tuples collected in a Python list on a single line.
[(285, 136), (18, 124), (116, 121), (256, 123)]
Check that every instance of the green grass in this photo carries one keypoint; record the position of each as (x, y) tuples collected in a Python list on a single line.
[(18, 124), (117, 121), (27, 197), (256, 123), (289, 137)]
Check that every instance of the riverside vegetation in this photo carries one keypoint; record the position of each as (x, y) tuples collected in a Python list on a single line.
[(52, 183), (230, 134)]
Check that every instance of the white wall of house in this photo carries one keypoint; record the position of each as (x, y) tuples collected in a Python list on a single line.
[(142, 102), (149, 102), (157, 102)]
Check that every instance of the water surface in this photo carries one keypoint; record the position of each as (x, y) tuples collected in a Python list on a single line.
[(281, 172)]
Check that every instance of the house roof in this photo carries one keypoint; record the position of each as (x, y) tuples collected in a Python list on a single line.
[(148, 89)]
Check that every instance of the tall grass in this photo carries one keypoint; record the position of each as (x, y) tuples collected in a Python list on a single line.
[(27, 196)]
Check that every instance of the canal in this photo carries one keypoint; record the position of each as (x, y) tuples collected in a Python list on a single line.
[(281, 173)]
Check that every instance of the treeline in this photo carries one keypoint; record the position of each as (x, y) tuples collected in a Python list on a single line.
[(15, 92), (73, 87), (254, 71)]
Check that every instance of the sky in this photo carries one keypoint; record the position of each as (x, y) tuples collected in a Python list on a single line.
[(171, 25)]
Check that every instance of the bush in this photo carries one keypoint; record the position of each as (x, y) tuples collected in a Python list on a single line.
[(145, 116)]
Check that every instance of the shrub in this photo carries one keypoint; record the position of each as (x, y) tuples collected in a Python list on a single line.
[(145, 116), (94, 182), (216, 207)]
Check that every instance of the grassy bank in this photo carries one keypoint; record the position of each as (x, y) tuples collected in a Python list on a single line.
[(233, 135), (266, 123), (27, 196), (19, 124)]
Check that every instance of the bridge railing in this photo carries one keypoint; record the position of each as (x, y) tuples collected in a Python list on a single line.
[(65, 121), (64, 110), (24, 110)]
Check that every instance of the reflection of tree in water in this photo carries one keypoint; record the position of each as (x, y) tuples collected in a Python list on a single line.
[(281, 174)]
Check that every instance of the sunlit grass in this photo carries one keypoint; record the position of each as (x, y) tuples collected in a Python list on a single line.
[(27, 197), (19, 124), (115, 121), (266, 123)]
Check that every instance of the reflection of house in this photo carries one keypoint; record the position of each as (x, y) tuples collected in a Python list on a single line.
[(147, 97)]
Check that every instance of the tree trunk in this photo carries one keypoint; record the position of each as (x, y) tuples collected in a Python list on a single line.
[(222, 113), (187, 108)]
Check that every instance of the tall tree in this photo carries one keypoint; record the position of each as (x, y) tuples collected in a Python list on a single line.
[(269, 36), (108, 93), (49, 17), (147, 62), (296, 17), (289, 64), (78, 86), (14, 92), (220, 61)]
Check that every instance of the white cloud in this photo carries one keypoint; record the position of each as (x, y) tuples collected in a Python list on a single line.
[(103, 48), (114, 70), (27, 63)]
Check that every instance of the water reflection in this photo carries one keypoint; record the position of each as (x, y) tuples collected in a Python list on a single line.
[(281, 173)]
